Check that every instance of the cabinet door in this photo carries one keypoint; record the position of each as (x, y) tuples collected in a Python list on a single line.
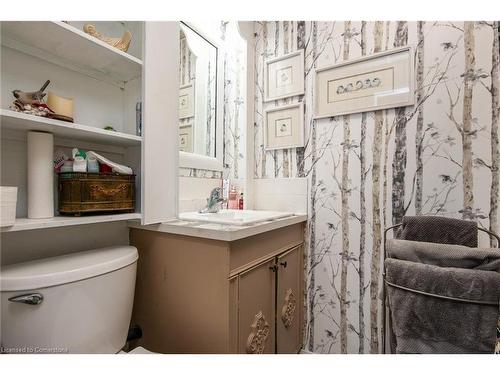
[(256, 328), (289, 305), (160, 150)]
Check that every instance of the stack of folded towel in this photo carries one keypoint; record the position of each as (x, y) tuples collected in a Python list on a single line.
[(438, 229), (426, 324)]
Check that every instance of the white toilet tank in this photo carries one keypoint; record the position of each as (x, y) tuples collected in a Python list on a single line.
[(76, 303)]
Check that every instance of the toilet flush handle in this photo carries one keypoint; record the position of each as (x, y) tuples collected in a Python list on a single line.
[(29, 299)]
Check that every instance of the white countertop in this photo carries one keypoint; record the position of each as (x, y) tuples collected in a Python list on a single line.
[(219, 232)]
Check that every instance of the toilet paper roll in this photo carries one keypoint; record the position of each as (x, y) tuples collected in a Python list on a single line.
[(40, 175)]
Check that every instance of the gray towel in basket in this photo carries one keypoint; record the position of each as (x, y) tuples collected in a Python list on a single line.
[(426, 324), (438, 229), (443, 255)]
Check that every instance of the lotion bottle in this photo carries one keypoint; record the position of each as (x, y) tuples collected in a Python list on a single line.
[(233, 199)]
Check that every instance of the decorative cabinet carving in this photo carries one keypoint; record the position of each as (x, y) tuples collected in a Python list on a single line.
[(256, 329), (97, 190), (288, 309), (288, 327), (256, 342)]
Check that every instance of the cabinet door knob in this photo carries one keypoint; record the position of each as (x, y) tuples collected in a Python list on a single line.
[(273, 268), (283, 264)]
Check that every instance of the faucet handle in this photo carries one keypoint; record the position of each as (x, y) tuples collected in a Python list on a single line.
[(216, 193), (212, 201)]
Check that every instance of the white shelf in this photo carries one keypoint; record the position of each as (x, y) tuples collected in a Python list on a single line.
[(67, 46), (23, 122), (64, 221)]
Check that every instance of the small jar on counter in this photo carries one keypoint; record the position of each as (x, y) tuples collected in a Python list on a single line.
[(240, 202)]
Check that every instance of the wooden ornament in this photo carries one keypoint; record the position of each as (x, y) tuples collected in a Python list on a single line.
[(122, 43)]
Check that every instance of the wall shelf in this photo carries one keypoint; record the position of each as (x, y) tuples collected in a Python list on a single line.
[(22, 122), (108, 84), (67, 46), (64, 221)]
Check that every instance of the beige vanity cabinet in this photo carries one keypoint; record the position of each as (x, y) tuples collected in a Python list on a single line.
[(197, 295)]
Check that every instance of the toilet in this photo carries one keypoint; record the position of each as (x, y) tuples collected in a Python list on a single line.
[(76, 303)]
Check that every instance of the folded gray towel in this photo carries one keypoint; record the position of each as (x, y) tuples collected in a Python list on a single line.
[(438, 229), (443, 255), (426, 324)]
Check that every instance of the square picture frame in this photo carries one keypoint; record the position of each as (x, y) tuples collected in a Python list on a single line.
[(380, 81), (284, 76), (284, 127), (186, 137), (186, 101)]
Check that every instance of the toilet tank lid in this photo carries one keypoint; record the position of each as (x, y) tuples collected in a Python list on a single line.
[(65, 269)]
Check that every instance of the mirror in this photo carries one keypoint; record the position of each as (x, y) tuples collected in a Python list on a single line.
[(197, 93)]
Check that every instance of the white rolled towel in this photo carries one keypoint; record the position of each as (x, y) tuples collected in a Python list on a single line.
[(118, 168)]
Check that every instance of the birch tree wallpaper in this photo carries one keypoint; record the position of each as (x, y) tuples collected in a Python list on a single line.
[(366, 171)]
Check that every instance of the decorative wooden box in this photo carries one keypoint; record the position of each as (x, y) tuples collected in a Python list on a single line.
[(81, 193)]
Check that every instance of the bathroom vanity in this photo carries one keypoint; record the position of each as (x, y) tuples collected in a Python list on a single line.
[(212, 288)]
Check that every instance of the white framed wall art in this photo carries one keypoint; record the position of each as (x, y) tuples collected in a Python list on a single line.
[(284, 76), (186, 101), (379, 81), (284, 127), (186, 137)]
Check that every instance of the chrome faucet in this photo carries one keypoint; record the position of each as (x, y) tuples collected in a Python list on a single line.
[(214, 202)]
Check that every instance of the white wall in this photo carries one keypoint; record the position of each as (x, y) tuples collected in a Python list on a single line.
[(281, 194), (194, 191), (35, 244)]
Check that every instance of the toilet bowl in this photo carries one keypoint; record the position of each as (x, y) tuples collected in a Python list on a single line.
[(76, 303)]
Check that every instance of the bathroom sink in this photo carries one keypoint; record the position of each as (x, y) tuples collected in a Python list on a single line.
[(234, 217)]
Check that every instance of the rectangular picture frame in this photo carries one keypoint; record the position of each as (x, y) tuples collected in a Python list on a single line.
[(186, 137), (284, 127), (284, 76), (380, 81), (186, 101)]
